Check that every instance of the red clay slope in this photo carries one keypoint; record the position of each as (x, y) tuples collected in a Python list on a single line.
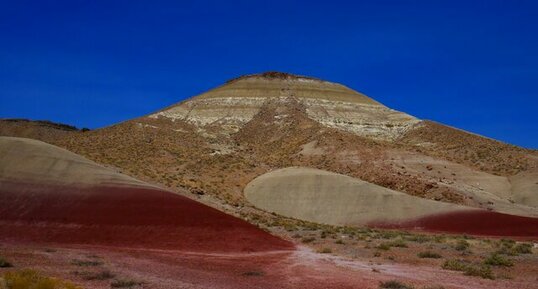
[(474, 222), (123, 216)]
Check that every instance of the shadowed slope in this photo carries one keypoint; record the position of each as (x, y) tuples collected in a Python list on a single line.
[(53, 196)]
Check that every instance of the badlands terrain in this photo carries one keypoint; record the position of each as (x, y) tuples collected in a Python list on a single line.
[(271, 180)]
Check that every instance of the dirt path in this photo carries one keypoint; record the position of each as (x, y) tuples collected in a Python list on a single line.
[(300, 268)]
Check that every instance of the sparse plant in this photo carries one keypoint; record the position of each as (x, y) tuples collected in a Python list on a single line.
[(455, 265), (398, 243), (523, 248), (325, 251), (102, 275), (383, 246), (124, 283), (4, 263), (86, 263), (468, 268), (253, 273), (394, 285), (498, 260), (307, 240), (483, 271), (462, 245), (429, 254), (418, 238)]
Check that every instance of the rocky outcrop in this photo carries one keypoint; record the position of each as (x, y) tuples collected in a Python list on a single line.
[(333, 105)]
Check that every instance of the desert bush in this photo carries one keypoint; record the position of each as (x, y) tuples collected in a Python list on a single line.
[(498, 260), (418, 238), (86, 263), (4, 263), (102, 275), (339, 241), (483, 271), (428, 254), (30, 279), (462, 245), (307, 240), (455, 265), (513, 249), (469, 269), (383, 246), (398, 243), (253, 273), (394, 285), (325, 251), (124, 283), (523, 248)]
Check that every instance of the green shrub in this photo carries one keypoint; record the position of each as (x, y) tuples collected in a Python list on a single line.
[(498, 260), (394, 285), (4, 263), (398, 243), (383, 246), (483, 271), (523, 248), (455, 265), (428, 254), (468, 269), (30, 279)]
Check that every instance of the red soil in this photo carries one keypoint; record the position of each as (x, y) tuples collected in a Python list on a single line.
[(123, 216), (472, 222)]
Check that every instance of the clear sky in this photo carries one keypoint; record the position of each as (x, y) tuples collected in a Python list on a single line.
[(468, 64)]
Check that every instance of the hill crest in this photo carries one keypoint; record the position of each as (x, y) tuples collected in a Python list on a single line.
[(235, 103)]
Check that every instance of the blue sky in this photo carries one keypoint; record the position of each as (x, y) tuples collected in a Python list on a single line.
[(468, 64)]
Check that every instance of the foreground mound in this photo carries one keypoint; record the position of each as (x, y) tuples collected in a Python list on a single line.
[(50, 195), (330, 198)]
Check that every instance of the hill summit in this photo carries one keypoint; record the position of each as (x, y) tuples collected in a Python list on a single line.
[(235, 103)]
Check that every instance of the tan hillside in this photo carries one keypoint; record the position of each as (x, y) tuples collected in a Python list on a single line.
[(329, 198)]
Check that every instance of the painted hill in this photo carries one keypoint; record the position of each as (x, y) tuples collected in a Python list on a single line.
[(214, 144), (329, 198), (50, 195)]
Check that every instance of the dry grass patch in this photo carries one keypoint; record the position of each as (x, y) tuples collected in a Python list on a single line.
[(30, 279)]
